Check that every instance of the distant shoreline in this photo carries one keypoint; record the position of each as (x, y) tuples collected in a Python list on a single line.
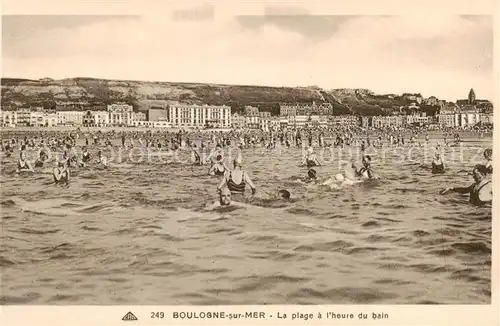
[(30, 130), (102, 129)]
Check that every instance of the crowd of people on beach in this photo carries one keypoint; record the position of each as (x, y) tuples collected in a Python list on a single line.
[(235, 181)]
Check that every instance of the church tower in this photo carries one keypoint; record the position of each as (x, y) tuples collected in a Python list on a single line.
[(472, 96)]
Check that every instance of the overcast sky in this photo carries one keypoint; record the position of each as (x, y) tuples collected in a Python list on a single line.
[(436, 55)]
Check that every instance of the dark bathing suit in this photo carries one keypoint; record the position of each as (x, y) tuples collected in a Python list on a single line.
[(474, 194), (236, 188), (310, 163), (22, 166), (437, 168), (218, 172)]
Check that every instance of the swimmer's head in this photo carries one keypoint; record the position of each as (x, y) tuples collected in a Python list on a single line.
[(238, 161), (99, 153), (22, 155), (219, 158), (225, 197), (310, 150), (479, 172), (312, 173), (339, 177), (488, 153), (367, 160), (285, 194)]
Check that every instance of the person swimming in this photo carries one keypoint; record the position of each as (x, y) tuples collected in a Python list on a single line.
[(480, 192), (218, 168), (310, 159), (225, 197), (437, 164), (284, 194), (237, 179), (23, 164), (366, 171), (61, 173), (311, 176)]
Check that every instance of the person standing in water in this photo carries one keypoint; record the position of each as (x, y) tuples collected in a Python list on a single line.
[(480, 192), (61, 173), (42, 157), (237, 179), (23, 164), (437, 164), (310, 159), (366, 171), (218, 168), (101, 159), (85, 157)]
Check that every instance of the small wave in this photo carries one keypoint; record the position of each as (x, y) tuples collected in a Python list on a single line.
[(60, 256), (299, 211), (90, 228), (93, 209), (33, 231), (4, 262), (26, 298), (420, 233), (8, 203), (363, 250), (430, 268), (393, 281), (373, 224), (63, 246), (338, 245), (277, 255), (472, 247)]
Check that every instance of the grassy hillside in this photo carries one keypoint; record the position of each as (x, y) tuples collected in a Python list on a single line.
[(83, 93)]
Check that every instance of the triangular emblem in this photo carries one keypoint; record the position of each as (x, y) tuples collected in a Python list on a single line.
[(129, 316)]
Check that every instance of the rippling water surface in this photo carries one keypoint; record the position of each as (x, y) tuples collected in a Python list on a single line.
[(137, 234)]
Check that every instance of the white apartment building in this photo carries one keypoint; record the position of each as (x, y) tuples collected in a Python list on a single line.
[(486, 117), (238, 121), (138, 116), (9, 118), (70, 118), (387, 121), (120, 114), (447, 120), (469, 119), (50, 119), (200, 116), (264, 122), (252, 122), (345, 120)]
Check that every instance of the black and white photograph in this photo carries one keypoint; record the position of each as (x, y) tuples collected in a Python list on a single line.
[(274, 157)]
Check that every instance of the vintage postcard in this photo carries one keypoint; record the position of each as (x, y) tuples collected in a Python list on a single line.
[(248, 163)]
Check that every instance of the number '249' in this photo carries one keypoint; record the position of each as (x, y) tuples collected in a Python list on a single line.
[(158, 315)]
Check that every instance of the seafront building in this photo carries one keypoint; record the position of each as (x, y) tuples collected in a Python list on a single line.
[(120, 115), (192, 116), (464, 113)]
